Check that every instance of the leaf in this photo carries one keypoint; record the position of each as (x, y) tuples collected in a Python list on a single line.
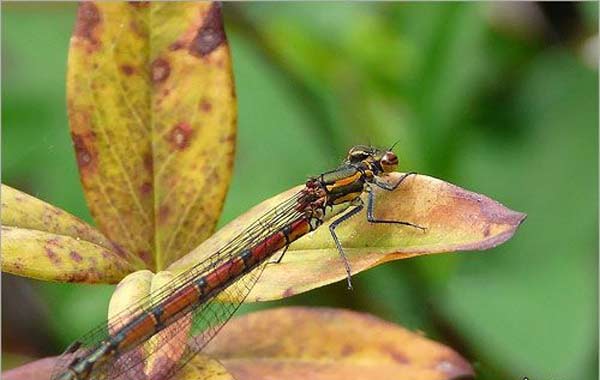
[(21, 210), (456, 220), (46, 256), (316, 343), (321, 343), (39, 369), (152, 113), (201, 367), (44, 242)]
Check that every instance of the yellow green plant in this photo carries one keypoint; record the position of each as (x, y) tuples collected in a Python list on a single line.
[(152, 110)]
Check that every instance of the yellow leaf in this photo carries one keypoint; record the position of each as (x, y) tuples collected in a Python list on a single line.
[(21, 210), (321, 343), (51, 257), (455, 220), (44, 242), (203, 367), (152, 113)]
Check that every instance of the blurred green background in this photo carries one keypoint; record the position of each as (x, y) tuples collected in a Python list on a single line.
[(499, 98)]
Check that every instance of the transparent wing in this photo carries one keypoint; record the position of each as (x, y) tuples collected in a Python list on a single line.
[(170, 349), (179, 343)]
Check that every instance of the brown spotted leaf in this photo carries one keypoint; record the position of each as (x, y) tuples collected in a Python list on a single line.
[(319, 344), (22, 210), (50, 257), (201, 367), (152, 113), (456, 220), (309, 343), (44, 242)]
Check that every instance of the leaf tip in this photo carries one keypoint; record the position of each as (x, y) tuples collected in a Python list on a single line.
[(455, 367)]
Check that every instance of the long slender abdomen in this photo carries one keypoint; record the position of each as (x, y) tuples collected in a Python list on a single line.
[(155, 319)]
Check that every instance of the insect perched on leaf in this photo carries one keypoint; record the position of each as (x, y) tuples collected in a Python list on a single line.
[(181, 317)]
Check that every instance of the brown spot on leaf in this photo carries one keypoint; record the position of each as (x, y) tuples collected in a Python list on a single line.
[(80, 276), (146, 188), (228, 138), (139, 4), (347, 350), (211, 34), (127, 69), (398, 356), (139, 29), (54, 259), (486, 231), (163, 214), (160, 70), (205, 105), (288, 292), (144, 255), (85, 157), (180, 136), (118, 249), (148, 162), (88, 18), (177, 45), (54, 241), (75, 256)]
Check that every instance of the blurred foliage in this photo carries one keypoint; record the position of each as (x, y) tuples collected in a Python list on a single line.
[(497, 98)]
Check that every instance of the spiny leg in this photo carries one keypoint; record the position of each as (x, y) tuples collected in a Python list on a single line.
[(280, 256), (371, 203), (340, 249), (389, 187), (286, 234)]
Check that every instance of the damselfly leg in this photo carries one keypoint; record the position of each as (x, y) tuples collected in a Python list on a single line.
[(335, 224), (389, 187), (370, 217), (280, 256)]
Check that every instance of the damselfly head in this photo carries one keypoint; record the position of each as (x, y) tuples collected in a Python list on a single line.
[(384, 160)]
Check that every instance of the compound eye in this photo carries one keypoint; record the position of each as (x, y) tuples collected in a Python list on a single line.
[(389, 162)]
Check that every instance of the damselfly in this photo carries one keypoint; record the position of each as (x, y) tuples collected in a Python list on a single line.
[(155, 337)]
